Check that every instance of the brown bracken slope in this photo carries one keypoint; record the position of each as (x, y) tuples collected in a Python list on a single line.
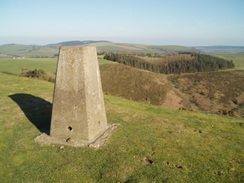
[(218, 92)]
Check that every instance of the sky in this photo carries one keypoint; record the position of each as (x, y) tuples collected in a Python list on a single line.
[(154, 22)]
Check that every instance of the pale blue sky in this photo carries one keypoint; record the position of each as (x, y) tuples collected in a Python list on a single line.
[(156, 22)]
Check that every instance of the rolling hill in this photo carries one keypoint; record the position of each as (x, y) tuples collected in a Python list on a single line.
[(16, 50), (216, 92), (220, 49), (110, 46), (51, 50), (152, 144), (73, 43)]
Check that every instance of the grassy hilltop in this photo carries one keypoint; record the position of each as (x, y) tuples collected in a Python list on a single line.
[(152, 144)]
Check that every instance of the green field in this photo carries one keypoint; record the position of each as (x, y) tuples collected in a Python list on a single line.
[(238, 58), (16, 50), (15, 66), (152, 144)]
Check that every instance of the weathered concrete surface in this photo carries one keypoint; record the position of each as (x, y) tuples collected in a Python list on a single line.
[(97, 143), (78, 112)]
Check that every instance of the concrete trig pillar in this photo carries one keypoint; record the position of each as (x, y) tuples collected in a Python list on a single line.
[(78, 112)]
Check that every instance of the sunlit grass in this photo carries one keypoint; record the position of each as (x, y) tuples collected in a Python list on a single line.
[(15, 66), (151, 144)]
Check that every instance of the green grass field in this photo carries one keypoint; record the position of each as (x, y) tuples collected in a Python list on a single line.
[(238, 58), (152, 144), (15, 66), (15, 50)]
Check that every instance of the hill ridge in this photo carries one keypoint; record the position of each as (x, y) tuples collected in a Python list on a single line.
[(51, 50)]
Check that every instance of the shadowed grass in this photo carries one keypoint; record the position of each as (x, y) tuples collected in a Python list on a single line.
[(151, 145)]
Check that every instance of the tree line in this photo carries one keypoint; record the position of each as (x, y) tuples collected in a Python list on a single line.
[(197, 63)]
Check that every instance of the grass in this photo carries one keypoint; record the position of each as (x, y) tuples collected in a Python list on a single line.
[(135, 84), (171, 48), (151, 145), (15, 50), (141, 48), (15, 66), (238, 58), (12, 49), (103, 61)]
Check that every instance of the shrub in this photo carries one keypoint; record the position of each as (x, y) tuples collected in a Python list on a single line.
[(39, 74)]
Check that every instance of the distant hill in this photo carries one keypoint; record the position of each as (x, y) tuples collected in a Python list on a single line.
[(17, 50), (110, 46), (50, 50), (220, 49), (72, 43)]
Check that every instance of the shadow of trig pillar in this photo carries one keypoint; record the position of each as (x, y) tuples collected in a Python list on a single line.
[(78, 112)]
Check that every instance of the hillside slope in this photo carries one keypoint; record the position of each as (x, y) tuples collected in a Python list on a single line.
[(16, 50), (134, 84), (218, 92), (151, 144), (139, 85)]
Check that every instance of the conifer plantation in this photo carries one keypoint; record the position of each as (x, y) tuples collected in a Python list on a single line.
[(176, 64)]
